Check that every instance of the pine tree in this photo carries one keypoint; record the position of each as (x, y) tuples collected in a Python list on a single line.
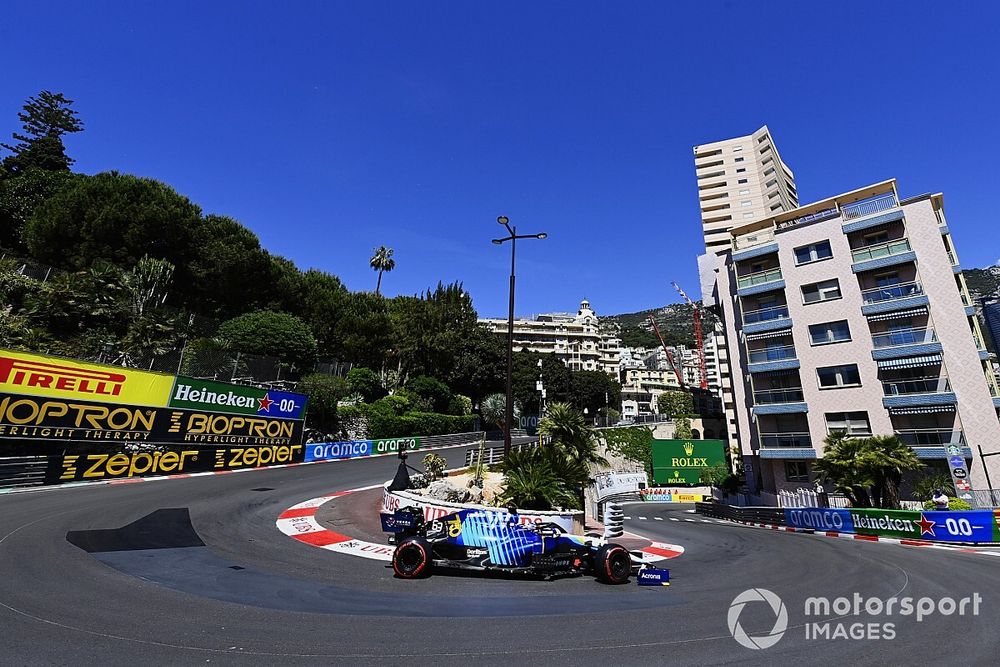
[(45, 119)]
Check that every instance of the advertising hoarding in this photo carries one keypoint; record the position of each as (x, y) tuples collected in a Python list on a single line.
[(35, 418), (681, 461), (957, 526), (125, 465), (54, 377), (192, 394), (350, 449)]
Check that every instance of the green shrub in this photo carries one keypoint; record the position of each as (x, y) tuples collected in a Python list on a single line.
[(953, 504), (434, 466), (433, 390), (418, 423), (390, 406)]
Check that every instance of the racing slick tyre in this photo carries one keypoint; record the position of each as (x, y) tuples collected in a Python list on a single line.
[(612, 564), (412, 558)]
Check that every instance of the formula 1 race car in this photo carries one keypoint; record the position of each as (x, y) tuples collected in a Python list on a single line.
[(496, 541)]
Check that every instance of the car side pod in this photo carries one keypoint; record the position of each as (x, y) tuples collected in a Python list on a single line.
[(653, 576)]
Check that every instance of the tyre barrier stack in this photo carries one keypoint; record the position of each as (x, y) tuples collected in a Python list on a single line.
[(614, 519)]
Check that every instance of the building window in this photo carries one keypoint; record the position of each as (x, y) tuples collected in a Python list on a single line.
[(739, 159), (741, 170), (745, 203), (741, 181), (748, 215), (745, 192), (828, 290), (839, 376), (851, 423), (737, 149), (796, 471), (829, 332), (813, 252)]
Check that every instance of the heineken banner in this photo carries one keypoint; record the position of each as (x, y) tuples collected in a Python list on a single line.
[(681, 461), (34, 419), (236, 399), (958, 526), (176, 461), (350, 449)]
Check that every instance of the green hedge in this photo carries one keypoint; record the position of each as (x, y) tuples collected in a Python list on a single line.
[(418, 423)]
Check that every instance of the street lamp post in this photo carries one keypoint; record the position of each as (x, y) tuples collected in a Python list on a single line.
[(513, 236)]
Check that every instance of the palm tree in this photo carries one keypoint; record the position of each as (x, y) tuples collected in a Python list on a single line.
[(382, 261), (887, 458), (570, 433), (839, 466)]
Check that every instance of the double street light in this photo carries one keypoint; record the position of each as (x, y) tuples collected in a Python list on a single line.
[(512, 236)]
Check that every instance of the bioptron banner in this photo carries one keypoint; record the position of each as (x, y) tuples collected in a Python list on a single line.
[(949, 526), (34, 418)]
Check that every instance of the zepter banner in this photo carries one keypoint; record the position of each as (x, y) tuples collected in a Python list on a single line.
[(55, 377)]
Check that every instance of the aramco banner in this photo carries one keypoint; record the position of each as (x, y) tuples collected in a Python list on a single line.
[(681, 461), (54, 377)]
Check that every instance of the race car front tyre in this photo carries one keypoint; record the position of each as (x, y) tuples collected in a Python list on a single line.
[(613, 564), (412, 558)]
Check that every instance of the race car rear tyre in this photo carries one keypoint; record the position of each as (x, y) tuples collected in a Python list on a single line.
[(412, 558), (613, 564)]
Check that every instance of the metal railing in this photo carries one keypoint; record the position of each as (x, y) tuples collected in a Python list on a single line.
[(924, 437), (871, 206), (812, 217), (898, 337), (952, 259), (772, 440), (877, 250), (924, 385), (986, 497), (891, 292), (759, 278), (770, 396), (776, 353), (765, 314)]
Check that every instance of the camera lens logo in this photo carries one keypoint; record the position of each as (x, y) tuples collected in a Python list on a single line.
[(757, 641)]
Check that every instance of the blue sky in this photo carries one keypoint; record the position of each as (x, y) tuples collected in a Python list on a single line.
[(331, 127)]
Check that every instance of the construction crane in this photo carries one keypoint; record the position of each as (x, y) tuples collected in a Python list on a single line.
[(670, 357), (699, 340)]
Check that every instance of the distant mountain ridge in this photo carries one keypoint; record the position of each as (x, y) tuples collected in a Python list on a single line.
[(675, 321)]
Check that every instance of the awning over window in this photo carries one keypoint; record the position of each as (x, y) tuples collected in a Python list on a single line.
[(769, 334), (911, 362), (898, 314), (923, 410)]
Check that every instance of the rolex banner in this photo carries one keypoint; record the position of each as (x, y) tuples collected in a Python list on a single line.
[(681, 461), (37, 420)]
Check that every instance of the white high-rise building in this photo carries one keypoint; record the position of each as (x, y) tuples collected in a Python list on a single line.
[(740, 181)]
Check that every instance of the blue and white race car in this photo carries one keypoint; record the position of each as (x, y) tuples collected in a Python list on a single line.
[(496, 541)]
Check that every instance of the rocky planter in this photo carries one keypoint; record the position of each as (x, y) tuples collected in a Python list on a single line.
[(569, 520)]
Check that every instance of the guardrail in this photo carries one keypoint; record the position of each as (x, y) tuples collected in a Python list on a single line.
[(870, 206), (19, 471), (769, 515)]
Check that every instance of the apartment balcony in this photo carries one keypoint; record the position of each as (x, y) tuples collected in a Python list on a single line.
[(930, 437), (786, 445), (753, 240), (905, 343), (918, 392), (773, 318), (773, 440), (765, 247), (762, 281), (893, 297), (881, 255), (775, 358), (872, 212), (779, 401)]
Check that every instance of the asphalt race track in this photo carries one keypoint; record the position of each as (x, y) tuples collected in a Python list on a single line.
[(194, 571)]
